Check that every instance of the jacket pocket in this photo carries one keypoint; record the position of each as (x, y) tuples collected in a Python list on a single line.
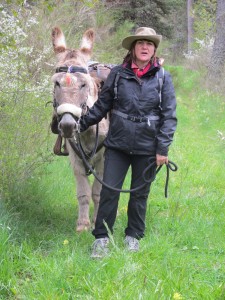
[(117, 135)]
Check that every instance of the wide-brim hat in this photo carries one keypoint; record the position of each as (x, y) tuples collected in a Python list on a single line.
[(142, 33)]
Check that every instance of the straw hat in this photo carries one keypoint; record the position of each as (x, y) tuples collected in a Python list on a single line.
[(142, 33)]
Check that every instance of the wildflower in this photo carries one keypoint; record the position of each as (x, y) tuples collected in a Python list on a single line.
[(177, 296), (65, 242), (195, 248), (123, 209)]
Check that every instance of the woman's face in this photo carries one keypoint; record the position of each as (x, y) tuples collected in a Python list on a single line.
[(143, 51)]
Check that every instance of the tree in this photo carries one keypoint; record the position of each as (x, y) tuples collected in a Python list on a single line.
[(189, 25), (217, 63), (167, 17), (153, 14)]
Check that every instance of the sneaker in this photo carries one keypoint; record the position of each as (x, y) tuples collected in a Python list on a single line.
[(100, 248), (131, 243)]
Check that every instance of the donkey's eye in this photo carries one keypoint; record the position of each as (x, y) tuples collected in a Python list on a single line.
[(57, 84), (83, 85)]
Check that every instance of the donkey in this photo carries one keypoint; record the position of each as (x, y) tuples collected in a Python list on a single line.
[(75, 89)]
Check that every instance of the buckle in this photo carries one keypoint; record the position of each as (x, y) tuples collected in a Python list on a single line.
[(139, 119), (136, 119), (132, 118)]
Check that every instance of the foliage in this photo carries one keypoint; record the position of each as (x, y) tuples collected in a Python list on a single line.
[(217, 65), (168, 18), (204, 26), (182, 254), (108, 49), (148, 13), (209, 40), (24, 90)]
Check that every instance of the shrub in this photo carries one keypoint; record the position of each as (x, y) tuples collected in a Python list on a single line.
[(24, 91)]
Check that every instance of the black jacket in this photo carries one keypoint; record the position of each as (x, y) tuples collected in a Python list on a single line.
[(136, 97)]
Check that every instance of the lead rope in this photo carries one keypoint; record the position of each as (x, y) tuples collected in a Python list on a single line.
[(170, 166), (93, 152)]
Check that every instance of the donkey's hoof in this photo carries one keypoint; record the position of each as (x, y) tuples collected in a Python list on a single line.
[(83, 227)]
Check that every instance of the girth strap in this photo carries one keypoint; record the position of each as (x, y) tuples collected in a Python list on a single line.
[(140, 119)]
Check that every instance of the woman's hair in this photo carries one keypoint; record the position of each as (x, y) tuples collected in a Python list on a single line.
[(130, 56)]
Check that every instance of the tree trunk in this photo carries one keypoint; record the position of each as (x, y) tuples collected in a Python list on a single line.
[(217, 63), (189, 25)]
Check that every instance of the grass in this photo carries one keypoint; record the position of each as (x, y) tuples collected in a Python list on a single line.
[(182, 255)]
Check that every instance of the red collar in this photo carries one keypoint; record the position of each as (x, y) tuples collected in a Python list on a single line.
[(140, 72)]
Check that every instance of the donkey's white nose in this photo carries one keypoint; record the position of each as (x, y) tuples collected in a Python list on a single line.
[(69, 108)]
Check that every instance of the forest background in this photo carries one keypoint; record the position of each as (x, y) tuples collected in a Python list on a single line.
[(37, 189)]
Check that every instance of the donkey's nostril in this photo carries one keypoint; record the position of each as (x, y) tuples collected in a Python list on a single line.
[(67, 126)]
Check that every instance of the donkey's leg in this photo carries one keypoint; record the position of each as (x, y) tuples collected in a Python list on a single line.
[(96, 187), (83, 191), (84, 196)]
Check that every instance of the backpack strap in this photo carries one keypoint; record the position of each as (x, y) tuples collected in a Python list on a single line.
[(160, 76), (115, 86)]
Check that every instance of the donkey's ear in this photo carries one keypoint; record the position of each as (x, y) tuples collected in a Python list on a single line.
[(58, 40), (87, 42)]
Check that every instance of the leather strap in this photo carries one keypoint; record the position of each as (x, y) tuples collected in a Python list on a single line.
[(58, 146), (71, 69)]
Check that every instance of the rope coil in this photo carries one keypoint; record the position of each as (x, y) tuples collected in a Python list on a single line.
[(171, 166)]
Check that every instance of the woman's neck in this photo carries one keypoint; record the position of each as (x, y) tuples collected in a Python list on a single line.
[(140, 64)]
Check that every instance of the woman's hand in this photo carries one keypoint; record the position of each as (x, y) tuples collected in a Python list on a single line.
[(161, 160)]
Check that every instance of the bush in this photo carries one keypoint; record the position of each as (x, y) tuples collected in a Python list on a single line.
[(24, 92)]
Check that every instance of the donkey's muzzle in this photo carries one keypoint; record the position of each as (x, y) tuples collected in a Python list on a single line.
[(68, 126)]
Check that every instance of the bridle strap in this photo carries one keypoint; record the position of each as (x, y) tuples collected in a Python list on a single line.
[(71, 69)]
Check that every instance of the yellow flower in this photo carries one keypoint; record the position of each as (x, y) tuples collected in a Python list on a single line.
[(177, 296), (123, 209), (65, 242)]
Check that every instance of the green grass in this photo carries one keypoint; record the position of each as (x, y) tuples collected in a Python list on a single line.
[(182, 255)]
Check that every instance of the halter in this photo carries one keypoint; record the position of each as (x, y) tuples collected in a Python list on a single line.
[(71, 69), (76, 145)]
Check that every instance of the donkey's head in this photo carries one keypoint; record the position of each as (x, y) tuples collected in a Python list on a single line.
[(74, 88)]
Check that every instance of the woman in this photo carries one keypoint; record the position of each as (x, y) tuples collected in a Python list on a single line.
[(141, 131)]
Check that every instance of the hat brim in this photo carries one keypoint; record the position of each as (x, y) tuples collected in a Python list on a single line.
[(127, 42)]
